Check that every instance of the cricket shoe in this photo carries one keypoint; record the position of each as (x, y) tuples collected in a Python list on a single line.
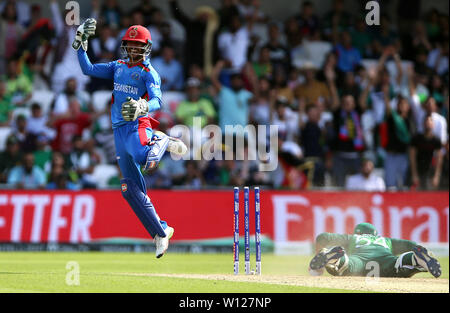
[(330, 257), (162, 243), (175, 145), (425, 259)]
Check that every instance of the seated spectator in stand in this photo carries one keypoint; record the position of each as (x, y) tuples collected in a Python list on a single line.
[(20, 8), (425, 147), (59, 177), (398, 137), (61, 104), (348, 56), (278, 51), (308, 22), (347, 140), (103, 134), (171, 71), (366, 180), (18, 84), (280, 84), (361, 38), (193, 177), (110, 13), (10, 32), (6, 106), (27, 175), (43, 153), (263, 67), (194, 106), (82, 163), (68, 127), (311, 90), (37, 123), (338, 19), (26, 139), (10, 157), (438, 58), (286, 120)]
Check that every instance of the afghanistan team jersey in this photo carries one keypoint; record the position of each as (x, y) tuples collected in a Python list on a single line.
[(366, 246), (138, 81)]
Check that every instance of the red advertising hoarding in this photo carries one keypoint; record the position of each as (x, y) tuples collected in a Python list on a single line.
[(89, 216)]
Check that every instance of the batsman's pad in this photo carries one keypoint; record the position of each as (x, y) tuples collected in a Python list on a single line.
[(157, 149), (142, 207)]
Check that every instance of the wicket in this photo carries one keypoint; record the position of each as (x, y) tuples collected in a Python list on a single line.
[(247, 231)]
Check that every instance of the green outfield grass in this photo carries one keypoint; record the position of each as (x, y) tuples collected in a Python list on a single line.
[(125, 272)]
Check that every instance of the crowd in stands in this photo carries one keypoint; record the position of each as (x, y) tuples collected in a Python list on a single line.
[(357, 107)]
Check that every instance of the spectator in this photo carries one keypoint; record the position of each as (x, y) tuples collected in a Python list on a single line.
[(263, 67), (233, 102), (6, 106), (423, 148), (58, 177), (398, 137), (193, 177), (104, 135), (312, 141), (156, 21), (82, 162), (233, 43), (104, 46), (10, 157), (366, 180), (37, 124), (65, 57), (43, 153), (200, 34), (110, 13), (279, 53), (26, 139), (337, 19), (385, 35), (348, 140), (261, 108), (348, 56), (27, 175), (280, 85), (361, 38), (62, 100), (18, 84), (147, 8), (438, 58), (286, 120), (171, 71), (311, 90), (10, 32), (68, 127), (308, 22), (227, 10), (21, 8), (194, 106)]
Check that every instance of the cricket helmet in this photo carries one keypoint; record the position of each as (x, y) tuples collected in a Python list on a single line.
[(365, 228), (137, 33)]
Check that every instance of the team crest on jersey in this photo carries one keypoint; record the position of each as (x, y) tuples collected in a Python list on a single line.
[(124, 187), (133, 33), (135, 76)]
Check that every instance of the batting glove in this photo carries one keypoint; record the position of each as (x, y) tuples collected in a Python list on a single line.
[(84, 31), (132, 109)]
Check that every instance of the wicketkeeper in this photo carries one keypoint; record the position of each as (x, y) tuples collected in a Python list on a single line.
[(349, 255), (136, 93)]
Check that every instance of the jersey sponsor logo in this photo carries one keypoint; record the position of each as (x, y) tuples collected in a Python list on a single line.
[(125, 88), (118, 72)]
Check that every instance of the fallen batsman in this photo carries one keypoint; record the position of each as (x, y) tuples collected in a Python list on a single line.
[(357, 254)]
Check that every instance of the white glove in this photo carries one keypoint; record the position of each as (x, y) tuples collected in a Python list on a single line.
[(84, 31), (132, 109)]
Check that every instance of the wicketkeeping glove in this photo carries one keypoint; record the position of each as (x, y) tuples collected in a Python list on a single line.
[(83, 32), (132, 109)]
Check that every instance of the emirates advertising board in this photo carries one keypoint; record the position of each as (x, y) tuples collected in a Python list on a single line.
[(287, 218)]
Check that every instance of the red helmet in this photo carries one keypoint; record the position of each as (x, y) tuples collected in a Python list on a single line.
[(138, 33)]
